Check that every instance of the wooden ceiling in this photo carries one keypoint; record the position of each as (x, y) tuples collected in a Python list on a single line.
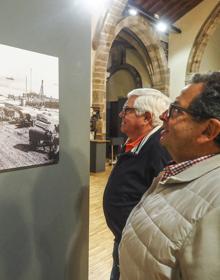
[(170, 10)]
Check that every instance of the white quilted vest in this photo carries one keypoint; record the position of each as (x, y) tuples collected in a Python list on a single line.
[(158, 226)]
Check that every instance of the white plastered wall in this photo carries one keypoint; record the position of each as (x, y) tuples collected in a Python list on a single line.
[(180, 44), (132, 59), (211, 58)]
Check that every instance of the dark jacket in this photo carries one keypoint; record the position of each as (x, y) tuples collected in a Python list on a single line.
[(129, 180)]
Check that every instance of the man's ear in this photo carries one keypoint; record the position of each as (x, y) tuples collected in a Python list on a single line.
[(148, 117), (211, 130)]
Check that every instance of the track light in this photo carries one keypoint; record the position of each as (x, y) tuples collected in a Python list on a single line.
[(161, 26), (132, 12)]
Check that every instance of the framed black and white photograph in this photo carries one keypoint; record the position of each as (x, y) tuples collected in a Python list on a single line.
[(29, 109)]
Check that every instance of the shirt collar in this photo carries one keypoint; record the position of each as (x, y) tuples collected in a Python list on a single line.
[(129, 145), (175, 168), (143, 139)]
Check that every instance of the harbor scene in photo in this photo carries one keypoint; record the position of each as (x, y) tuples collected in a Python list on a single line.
[(29, 108)]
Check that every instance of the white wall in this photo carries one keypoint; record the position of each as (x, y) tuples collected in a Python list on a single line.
[(122, 81), (180, 44), (119, 85), (44, 210), (211, 58), (134, 60)]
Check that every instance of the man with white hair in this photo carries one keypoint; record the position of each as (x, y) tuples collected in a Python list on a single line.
[(141, 159)]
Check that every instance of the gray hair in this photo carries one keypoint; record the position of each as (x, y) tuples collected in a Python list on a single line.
[(152, 101)]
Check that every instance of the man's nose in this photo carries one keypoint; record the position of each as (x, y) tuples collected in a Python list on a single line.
[(164, 116), (121, 114)]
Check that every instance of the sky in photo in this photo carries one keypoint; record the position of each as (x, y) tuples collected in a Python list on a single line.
[(22, 71)]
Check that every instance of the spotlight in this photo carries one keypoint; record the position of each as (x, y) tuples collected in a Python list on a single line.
[(161, 26), (132, 12)]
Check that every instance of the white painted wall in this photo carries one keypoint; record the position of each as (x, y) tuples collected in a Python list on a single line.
[(119, 85), (181, 44), (211, 58), (134, 60)]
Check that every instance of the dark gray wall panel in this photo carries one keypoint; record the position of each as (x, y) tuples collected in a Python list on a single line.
[(44, 210)]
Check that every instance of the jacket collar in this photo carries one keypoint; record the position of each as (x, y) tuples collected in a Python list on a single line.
[(137, 149), (195, 171)]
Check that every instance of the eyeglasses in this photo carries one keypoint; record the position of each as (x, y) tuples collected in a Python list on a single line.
[(127, 109), (174, 110)]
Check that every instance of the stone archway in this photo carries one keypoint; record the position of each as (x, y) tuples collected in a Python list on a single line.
[(102, 44), (145, 32), (201, 42), (112, 25)]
